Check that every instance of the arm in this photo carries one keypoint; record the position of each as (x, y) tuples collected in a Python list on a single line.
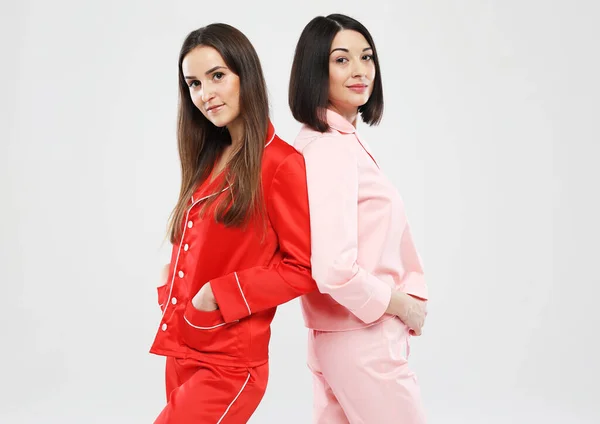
[(164, 274), (410, 303), (332, 172), (413, 282), (259, 288), (162, 288)]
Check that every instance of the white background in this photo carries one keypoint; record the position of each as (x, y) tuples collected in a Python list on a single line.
[(490, 133)]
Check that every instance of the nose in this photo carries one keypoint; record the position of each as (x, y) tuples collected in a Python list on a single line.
[(359, 69), (207, 94)]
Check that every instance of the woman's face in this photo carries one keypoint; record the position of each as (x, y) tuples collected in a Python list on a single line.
[(351, 71), (214, 88)]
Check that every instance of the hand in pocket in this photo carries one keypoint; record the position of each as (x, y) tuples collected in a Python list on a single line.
[(205, 300)]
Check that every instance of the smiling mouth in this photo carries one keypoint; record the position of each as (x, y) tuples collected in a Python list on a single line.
[(359, 88), (214, 108)]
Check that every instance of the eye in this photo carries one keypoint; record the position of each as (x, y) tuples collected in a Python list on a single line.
[(194, 83), (218, 75), (341, 60), (367, 57)]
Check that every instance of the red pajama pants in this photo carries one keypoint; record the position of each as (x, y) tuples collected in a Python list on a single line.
[(202, 393)]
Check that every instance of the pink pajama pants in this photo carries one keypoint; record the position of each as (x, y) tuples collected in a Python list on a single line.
[(362, 376)]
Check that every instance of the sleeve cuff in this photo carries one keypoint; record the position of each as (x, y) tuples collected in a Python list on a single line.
[(414, 284), (230, 297), (378, 302)]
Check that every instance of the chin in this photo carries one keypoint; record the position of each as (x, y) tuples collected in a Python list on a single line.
[(220, 123), (357, 102), (355, 105)]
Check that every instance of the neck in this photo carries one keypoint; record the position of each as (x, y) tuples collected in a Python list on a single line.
[(350, 115)]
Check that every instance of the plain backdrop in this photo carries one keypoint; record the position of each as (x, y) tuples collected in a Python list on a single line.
[(490, 133)]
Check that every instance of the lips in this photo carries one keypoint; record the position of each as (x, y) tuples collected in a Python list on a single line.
[(358, 88), (214, 108)]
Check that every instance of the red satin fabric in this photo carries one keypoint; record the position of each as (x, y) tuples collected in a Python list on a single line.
[(199, 393), (250, 271)]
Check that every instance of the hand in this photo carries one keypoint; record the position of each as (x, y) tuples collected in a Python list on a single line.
[(410, 310), (164, 274), (205, 299)]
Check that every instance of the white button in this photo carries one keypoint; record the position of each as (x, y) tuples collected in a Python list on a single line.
[(186, 247), (164, 327), (174, 301), (180, 273), (190, 224)]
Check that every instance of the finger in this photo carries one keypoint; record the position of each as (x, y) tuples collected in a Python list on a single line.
[(415, 332)]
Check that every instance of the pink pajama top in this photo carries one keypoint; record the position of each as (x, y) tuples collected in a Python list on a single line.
[(361, 245)]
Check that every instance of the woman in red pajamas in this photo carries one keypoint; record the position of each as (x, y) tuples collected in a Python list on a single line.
[(240, 234)]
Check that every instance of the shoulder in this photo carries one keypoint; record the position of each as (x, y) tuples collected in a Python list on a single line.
[(282, 161), (310, 142), (279, 153), (331, 149)]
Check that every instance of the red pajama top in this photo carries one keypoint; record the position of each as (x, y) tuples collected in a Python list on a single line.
[(251, 269)]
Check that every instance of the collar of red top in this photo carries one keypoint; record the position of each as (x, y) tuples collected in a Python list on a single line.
[(270, 134)]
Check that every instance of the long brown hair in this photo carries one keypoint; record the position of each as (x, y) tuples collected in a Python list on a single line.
[(201, 143)]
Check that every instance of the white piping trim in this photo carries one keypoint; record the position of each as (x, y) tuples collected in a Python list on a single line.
[(238, 395), (187, 215), (205, 328), (272, 138), (207, 196), (161, 305), (243, 297)]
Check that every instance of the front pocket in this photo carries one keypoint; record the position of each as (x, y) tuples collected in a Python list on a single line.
[(397, 336), (207, 332), (203, 320)]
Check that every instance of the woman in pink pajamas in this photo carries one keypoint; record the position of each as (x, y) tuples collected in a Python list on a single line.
[(372, 294)]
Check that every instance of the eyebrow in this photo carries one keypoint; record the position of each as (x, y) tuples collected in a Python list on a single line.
[(348, 51), (210, 71)]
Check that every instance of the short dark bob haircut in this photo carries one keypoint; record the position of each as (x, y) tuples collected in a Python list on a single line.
[(309, 81)]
